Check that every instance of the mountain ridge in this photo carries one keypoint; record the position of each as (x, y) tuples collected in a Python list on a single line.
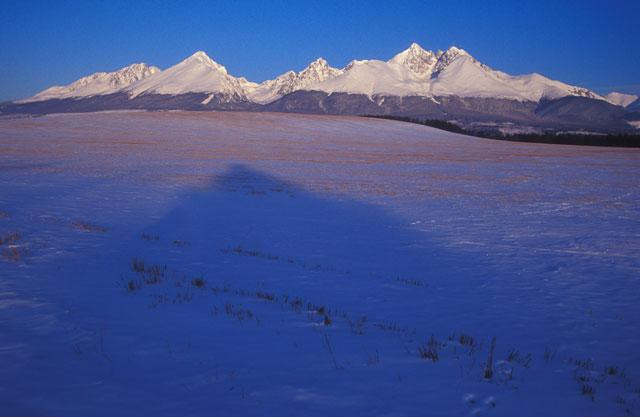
[(97, 83), (413, 71), (450, 85)]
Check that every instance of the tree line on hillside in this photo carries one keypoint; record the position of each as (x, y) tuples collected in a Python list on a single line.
[(626, 140)]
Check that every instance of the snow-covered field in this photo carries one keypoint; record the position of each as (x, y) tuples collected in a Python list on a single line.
[(254, 264)]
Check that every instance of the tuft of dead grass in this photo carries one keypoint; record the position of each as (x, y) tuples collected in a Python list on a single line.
[(10, 238), (429, 351), (89, 227)]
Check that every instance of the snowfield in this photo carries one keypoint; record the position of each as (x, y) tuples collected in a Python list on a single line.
[(265, 264)]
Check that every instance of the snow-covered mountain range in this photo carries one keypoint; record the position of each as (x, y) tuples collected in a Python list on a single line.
[(417, 83), (413, 72), (99, 83), (316, 73)]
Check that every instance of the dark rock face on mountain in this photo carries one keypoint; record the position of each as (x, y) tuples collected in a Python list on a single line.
[(121, 101), (68, 105), (582, 112), (635, 106), (569, 112), (449, 107), (565, 113)]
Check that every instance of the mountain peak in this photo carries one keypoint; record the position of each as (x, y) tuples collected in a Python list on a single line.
[(201, 57), (319, 70), (446, 58), (416, 59), (196, 74), (319, 62), (414, 47), (316, 71), (414, 50), (621, 99), (457, 51)]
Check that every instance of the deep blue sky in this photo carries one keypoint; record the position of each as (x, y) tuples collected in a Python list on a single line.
[(590, 43)]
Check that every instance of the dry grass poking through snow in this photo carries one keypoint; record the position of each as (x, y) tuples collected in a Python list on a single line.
[(11, 251), (89, 227), (147, 274)]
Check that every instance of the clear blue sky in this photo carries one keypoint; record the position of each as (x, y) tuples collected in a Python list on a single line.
[(591, 43)]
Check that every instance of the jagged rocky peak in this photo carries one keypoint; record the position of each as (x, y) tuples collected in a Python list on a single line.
[(98, 83), (120, 78), (283, 84), (318, 71), (417, 59), (583, 92), (132, 73), (444, 59)]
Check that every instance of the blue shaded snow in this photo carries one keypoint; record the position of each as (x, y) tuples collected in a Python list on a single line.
[(244, 264)]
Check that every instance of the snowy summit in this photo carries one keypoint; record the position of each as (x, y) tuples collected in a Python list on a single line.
[(196, 74)]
